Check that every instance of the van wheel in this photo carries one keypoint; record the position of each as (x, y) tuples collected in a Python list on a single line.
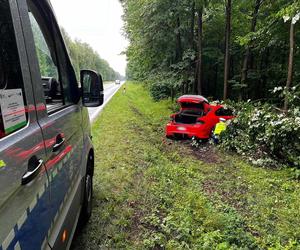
[(87, 205)]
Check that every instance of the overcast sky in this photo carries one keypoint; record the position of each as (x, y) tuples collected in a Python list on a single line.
[(97, 22)]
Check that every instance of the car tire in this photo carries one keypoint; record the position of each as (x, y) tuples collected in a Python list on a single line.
[(87, 205)]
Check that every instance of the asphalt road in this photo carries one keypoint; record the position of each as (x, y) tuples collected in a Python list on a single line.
[(109, 91)]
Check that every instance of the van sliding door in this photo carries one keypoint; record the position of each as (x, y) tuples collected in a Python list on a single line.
[(61, 121), (24, 185)]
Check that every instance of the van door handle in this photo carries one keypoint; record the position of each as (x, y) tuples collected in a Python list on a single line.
[(59, 143), (31, 174)]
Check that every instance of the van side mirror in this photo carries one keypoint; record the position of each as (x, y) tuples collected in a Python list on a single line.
[(92, 88)]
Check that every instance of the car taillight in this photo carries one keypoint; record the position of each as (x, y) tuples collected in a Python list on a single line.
[(200, 122)]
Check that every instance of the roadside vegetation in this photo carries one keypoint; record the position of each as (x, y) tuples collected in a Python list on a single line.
[(83, 56), (265, 136), (236, 50), (245, 53), (152, 193)]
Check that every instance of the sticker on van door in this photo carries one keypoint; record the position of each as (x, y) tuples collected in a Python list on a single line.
[(13, 110), (2, 164)]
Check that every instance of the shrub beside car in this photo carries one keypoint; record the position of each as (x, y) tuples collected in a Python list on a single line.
[(264, 135)]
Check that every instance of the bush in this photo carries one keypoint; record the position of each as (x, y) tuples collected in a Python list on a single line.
[(159, 90), (266, 137)]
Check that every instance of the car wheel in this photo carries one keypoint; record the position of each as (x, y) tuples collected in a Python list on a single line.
[(87, 205)]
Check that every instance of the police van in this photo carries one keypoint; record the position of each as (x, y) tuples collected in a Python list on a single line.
[(46, 152)]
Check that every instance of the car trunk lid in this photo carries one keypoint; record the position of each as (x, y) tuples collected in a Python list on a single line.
[(191, 109)]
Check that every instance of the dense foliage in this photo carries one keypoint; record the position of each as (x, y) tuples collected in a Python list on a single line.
[(84, 57), (264, 135), (241, 50), (180, 46)]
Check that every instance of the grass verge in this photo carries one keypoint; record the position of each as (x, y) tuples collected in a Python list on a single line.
[(151, 193)]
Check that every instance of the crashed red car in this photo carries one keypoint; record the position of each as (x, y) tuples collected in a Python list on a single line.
[(196, 118)]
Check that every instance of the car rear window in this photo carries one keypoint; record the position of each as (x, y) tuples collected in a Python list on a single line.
[(12, 99), (224, 112)]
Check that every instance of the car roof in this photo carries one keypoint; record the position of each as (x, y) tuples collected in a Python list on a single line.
[(192, 98)]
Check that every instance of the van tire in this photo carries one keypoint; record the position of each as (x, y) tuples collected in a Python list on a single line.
[(87, 204)]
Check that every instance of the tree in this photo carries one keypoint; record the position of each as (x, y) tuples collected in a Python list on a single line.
[(291, 64), (244, 73), (227, 48), (200, 50), (182, 47), (293, 21), (84, 57)]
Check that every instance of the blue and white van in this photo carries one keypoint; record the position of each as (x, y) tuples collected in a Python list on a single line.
[(46, 152)]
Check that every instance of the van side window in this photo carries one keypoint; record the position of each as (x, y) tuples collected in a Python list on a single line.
[(55, 76), (48, 69), (13, 114)]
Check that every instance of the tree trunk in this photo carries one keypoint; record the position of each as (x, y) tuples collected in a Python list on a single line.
[(216, 77), (260, 88), (291, 65), (231, 71), (192, 47), (227, 48), (245, 68), (192, 28), (265, 75), (195, 87), (172, 94), (200, 52), (178, 41), (187, 87), (178, 55)]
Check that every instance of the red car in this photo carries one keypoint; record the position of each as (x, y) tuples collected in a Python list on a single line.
[(196, 118)]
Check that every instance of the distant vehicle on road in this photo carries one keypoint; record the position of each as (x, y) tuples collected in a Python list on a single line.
[(46, 151), (118, 82), (196, 118)]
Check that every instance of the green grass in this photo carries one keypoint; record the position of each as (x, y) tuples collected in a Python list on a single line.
[(150, 193)]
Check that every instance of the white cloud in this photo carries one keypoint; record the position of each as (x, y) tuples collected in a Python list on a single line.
[(97, 22)]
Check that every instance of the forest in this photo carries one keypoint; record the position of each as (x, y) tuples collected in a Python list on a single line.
[(243, 53), (224, 49)]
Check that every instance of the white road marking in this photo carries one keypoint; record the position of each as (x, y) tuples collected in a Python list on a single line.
[(8, 239)]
